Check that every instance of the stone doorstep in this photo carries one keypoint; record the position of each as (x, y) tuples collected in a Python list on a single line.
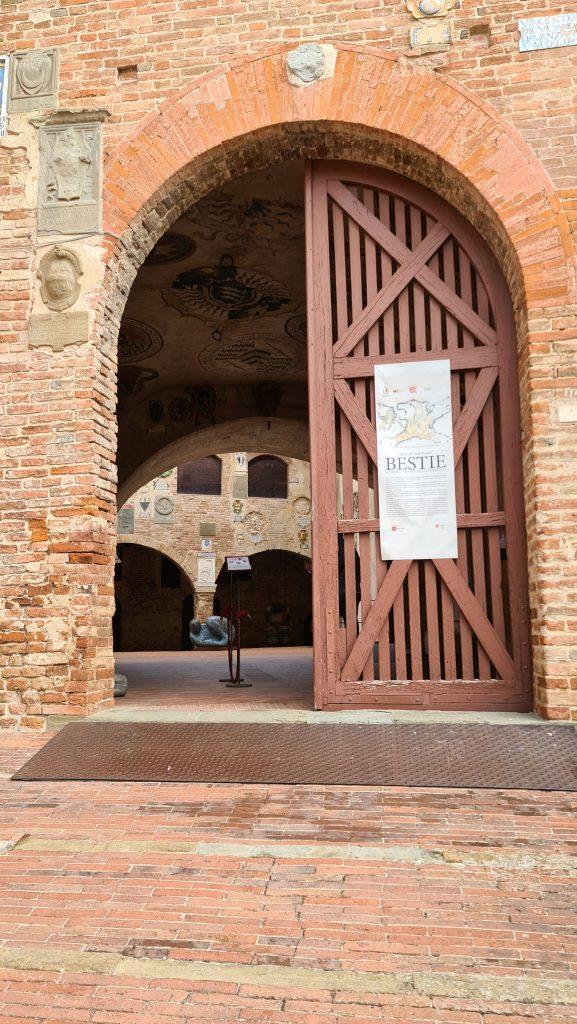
[(505, 989), (280, 716)]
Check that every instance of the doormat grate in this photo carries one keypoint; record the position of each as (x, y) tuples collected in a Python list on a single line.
[(460, 756)]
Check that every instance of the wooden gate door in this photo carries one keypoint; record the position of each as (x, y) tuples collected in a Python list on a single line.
[(395, 274)]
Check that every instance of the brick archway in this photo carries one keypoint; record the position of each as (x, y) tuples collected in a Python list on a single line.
[(378, 108)]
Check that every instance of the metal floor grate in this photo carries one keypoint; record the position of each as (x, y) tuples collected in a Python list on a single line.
[(461, 756)]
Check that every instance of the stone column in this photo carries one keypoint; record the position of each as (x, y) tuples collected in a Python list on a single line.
[(203, 602), (205, 585)]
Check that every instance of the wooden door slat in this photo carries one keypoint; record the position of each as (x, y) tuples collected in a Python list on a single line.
[(473, 408), (357, 418), (468, 603), (389, 293), (401, 253), (462, 359), (381, 608)]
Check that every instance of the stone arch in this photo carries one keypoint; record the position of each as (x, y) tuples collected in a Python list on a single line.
[(378, 108), (163, 549), (282, 437)]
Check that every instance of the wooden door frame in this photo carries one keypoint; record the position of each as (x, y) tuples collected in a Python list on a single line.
[(326, 635)]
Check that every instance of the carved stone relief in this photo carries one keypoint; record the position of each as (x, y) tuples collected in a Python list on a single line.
[(434, 32), (549, 32), (58, 330), (254, 522), (206, 569), (164, 509), (310, 62), (69, 181), (239, 485), (431, 8), (302, 507), (125, 520), (59, 273), (33, 80)]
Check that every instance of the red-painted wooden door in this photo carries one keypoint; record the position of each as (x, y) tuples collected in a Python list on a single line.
[(395, 274)]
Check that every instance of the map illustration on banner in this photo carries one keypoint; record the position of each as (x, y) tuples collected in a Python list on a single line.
[(417, 506)]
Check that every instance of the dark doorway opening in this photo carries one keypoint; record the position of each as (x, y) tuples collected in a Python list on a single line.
[(277, 597)]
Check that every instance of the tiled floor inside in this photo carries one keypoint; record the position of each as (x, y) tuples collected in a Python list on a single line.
[(189, 680)]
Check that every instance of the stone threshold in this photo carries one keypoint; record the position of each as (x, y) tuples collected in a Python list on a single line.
[(272, 716), (501, 988)]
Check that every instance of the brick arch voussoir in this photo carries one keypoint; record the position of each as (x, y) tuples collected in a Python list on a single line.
[(378, 108)]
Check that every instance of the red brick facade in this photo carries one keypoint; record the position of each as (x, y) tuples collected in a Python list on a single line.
[(483, 125)]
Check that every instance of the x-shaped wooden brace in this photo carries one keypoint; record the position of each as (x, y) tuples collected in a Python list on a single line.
[(466, 600), (412, 265)]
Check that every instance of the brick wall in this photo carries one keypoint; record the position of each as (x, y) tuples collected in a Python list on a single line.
[(58, 443)]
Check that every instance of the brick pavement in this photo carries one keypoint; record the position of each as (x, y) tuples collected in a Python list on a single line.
[(153, 903), (186, 680)]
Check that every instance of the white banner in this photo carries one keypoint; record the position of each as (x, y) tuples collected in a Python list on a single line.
[(415, 460)]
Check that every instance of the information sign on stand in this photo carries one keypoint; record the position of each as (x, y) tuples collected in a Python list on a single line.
[(418, 516), (235, 564)]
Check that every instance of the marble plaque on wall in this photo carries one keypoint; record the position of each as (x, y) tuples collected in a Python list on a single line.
[(69, 180), (125, 520), (58, 330), (33, 80), (548, 33), (239, 485)]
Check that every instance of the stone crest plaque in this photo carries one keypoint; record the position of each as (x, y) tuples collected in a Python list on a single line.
[(69, 182), (59, 273), (125, 520), (548, 33), (33, 80)]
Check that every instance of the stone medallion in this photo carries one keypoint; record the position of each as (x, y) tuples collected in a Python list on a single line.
[(225, 292), (164, 506), (171, 248), (254, 355), (137, 341)]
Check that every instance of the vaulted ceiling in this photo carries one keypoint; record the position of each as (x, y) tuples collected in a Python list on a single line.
[(216, 310)]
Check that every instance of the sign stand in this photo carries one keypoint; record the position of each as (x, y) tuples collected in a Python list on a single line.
[(235, 565)]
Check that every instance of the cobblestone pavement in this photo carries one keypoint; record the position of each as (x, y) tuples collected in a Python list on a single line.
[(154, 903)]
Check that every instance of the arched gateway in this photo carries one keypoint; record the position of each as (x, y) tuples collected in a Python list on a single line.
[(419, 280)]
